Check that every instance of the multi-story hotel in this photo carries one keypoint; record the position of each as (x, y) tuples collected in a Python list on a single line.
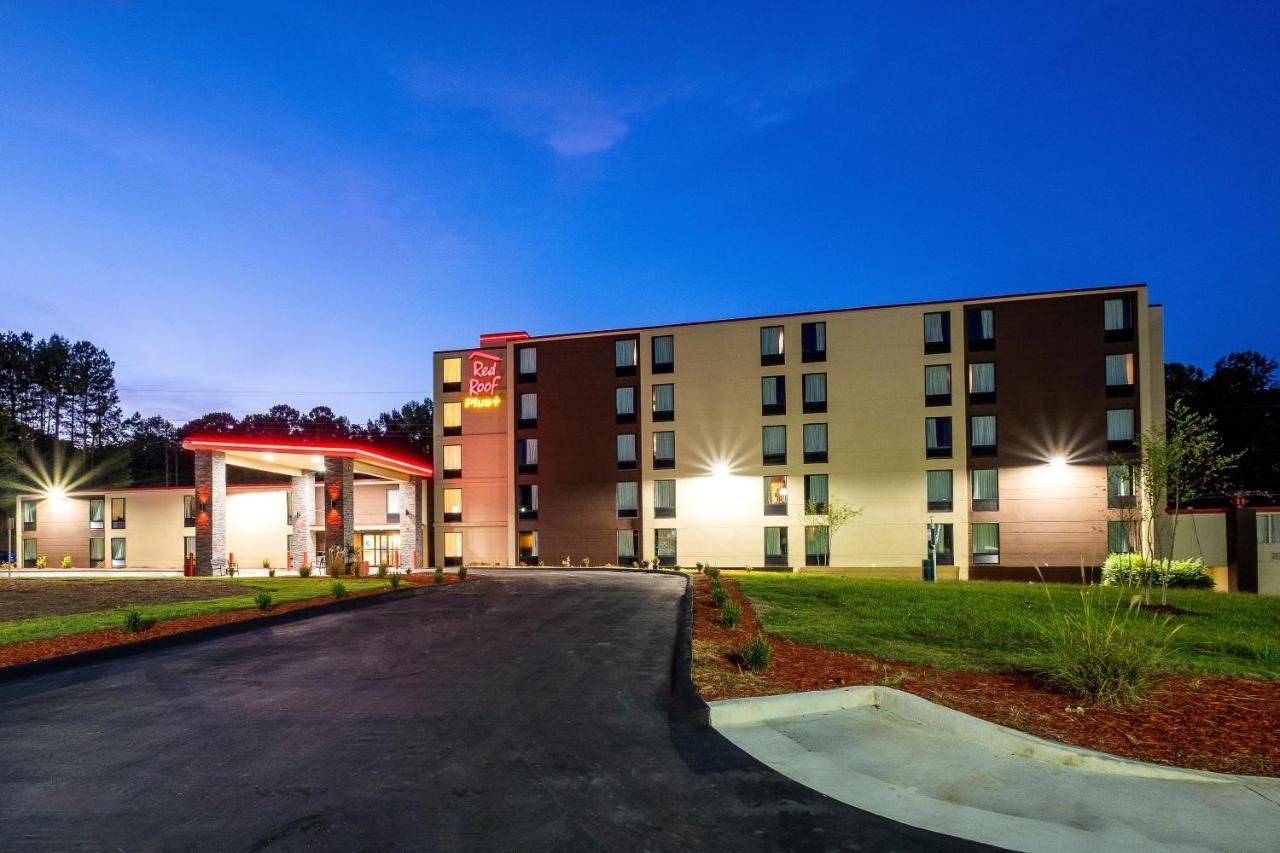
[(728, 441)]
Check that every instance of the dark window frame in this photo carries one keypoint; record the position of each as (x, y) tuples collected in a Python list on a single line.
[(662, 366), (944, 345), (778, 560), (808, 331), (816, 457), (773, 458), (526, 377), (974, 342), (626, 369), (776, 508), (773, 359), (931, 400), (779, 408)]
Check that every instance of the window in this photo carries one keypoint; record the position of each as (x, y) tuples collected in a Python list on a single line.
[(664, 354), (527, 501), (775, 495), (813, 341), (453, 549), (451, 374), (1120, 429), (938, 488), (986, 490), (664, 449), (937, 332), (817, 545), (815, 443), (1268, 528), (937, 438), (664, 498), (97, 512), (624, 405), (98, 552), (981, 328), (288, 509), (453, 504), (773, 395), (526, 456), (944, 553), (118, 552), (527, 364), (628, 500), (117, 514), (815, 494), (775, 546), (937, 385), (982, 382), (1118, 539), (378, 549), (664, 545), (1120, 375), (528, 416), (1117, 319), (664, 402), (626, 451), (624, 357), (29, 553), (982, 435), (628, 546), (527, 546), (815, 392), (189, 547), (1120, 494), (771, 345), (393, 504), (452, 460), (985, 537), (28, 515), (452, 418), (773, 445)]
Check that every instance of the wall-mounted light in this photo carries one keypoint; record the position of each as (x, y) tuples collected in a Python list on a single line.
[(57, 494)]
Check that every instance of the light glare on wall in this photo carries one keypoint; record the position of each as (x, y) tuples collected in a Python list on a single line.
[(56, 495), (720, 470)]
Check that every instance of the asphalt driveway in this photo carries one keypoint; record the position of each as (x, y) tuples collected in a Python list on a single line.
[(523, 711)]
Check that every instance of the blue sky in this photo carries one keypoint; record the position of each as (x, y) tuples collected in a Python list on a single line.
[(199, 188)]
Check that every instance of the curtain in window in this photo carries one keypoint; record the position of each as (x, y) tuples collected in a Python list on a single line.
[(528, 407), (815, 438), (530, 498), (771, 340), (664, 445), (775, 441), (933, 328), (664, 398), (624, 353), (819, 337), (1120, 369), (771, 390), (937, 433), (1273, 523), (453, 544), (815, 387), (96, 549), (664, 494), (628, 496), (987, 320), (627, 448), (393, 500), (985, 484), (664, 349), (982, 378), (986, 538), (453, 457), (528, 360), (1120, 425), (938, 486), (1118, 537), (97, 509), (664, 541), (626, 401), (117, 549), (817, 541), (937, 380), (1113, 314), (1119, 481), (773, 542), (528, 451), (453, 414), (816, 488), (451, 370), (626, 544), (983, 430)]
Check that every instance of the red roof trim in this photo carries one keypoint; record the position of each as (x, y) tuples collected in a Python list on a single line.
[(502, 337), (487, 355), (328, 448)]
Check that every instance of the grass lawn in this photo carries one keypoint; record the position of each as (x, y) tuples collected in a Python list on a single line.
[(282, 590), (992, 627)]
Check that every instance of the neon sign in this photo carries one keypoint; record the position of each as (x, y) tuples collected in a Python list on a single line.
[(485, 383)]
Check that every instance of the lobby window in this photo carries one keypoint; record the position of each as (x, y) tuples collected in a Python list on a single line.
[(453, 549), (97, 552), (775, 495), (771, 345), (937, 332), (452, 418), (526, 456), (1119, 540), (528, 416), (986, 489), (117, 514), (29, 553), (626, 451), (452, 460), (937, 385), (28, 515), (815, 443), (815, 494), (451, 374), (628, 500), (938, 489), (773, 395), (817, 545), (985, 537), (982, 382), (982, 435), (775, 546), (624, 357), (527, 501), (980, 328), (118, 553), (393, 504), (1120, 434), (945, 549), (1117, 319), (1120, 492), (773, 445), (664, 449), (664, 498), (527, 364), (527, 546), (1120, 375), (452, 500), (937, 438), (98, 512), (664, 545), (1268, 528), (624, 405), (813, 341), (664, 354), (814, 386), (664, 402), (628, 547)]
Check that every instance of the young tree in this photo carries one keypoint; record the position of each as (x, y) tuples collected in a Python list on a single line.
[(833, 515)]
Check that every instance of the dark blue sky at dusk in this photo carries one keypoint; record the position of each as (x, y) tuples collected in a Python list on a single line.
[(197, 188)]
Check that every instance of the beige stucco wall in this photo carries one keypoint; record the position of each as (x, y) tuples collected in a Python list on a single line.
[(1268, 568)]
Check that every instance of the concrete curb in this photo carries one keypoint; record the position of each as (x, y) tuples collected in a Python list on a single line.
[(76, 659)]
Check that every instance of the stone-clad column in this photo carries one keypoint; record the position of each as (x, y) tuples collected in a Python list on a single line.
[(304, 512), (211, 514), (410, 524), (340, 520)]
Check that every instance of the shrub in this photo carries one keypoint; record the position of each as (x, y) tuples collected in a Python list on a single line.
[(586, 562), (719, 595), (339, 589), (1136, 570), (439, 575), (730, 614), (232, 568), (133, 621), (395, 581), (263, 601), (66, 562), (757, 653), (266, 562), (271, 573), (712, 572), (462, 573), (42, 562), (382, 570), (304, 571), (1102, 653)]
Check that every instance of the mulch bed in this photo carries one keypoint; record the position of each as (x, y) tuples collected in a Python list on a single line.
[(32, 650), (1230, 725)]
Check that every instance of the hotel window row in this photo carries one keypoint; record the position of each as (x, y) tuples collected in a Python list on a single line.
[(813, 344), (773, 444)]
